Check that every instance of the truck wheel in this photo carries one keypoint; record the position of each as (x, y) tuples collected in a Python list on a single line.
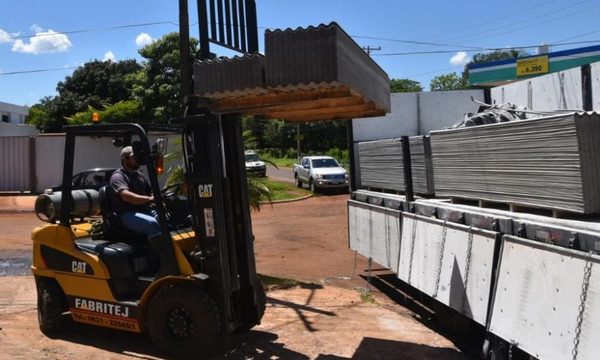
[(50, 306), (183, 320), (312, 186), (298, 182)]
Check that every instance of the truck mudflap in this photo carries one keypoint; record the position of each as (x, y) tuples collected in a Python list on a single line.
[(450, 262), (546, 300)]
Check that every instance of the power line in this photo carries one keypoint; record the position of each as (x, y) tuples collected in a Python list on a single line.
[(37, 70), (118, 27)]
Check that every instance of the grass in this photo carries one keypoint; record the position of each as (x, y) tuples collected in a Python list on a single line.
[(283, 190), (282, 162), (275, 283)]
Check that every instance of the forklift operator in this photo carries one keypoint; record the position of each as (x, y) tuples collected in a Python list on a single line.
[(131, 203)]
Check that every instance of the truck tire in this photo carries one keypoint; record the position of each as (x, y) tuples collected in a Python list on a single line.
[(312, 186), (50, 306), (183, 320), (298, 182)]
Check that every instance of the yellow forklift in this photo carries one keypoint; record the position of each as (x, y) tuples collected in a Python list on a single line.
[(191, 287)]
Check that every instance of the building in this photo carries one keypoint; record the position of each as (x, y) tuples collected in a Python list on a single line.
[(502, 72), (13, 114)]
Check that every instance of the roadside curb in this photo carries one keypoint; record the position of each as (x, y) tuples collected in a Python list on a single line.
[(287, 201), (16, 211)]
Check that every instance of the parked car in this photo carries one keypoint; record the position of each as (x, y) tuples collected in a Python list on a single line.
[(90, 179), (254, 165), (320, 172)]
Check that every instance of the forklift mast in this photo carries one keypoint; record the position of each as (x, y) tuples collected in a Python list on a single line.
[(215, 166)]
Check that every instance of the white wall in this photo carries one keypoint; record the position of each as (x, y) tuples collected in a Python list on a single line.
[(16, 114), (89, 153), (17, 130), (440, 109), (561, 90), (596, 85), (401, 121), (418, 114)]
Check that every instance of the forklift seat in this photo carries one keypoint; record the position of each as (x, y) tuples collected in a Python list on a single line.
[(112, 226)]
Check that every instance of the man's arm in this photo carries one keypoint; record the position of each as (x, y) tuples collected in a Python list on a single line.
[(133, 198)]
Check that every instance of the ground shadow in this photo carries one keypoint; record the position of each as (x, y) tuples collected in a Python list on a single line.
[(244, 345), (248, 345), (466, 334), (380, 349)]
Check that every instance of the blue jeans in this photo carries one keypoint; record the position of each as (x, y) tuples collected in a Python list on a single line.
[(141, 222)]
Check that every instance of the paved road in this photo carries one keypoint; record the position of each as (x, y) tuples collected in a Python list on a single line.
[(281, 174)]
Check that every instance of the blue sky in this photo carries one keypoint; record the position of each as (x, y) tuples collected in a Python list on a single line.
[(457, 27)]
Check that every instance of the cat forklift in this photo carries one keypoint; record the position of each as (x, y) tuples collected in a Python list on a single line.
[(190, 288)]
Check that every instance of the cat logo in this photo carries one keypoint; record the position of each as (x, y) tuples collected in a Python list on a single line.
[(78, 267), (205, 190)]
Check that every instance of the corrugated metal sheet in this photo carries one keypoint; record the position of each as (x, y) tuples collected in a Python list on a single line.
[(230, 77), (323, 54), (548, 162), (381, 165), (421, 165), (15, 163)]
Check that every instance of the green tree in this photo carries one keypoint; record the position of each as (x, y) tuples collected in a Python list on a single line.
[(123, 111), (447, 82), (405, 85), (157, 86)]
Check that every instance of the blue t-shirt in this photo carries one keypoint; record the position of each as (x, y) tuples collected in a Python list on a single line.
[(135, 182)]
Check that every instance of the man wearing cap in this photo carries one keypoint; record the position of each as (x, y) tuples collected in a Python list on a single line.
[(133, 195)]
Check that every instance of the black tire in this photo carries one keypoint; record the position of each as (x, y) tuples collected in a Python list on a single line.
[(261, 304), (298, 182), (312, 186), (184, 321), (51, 305)]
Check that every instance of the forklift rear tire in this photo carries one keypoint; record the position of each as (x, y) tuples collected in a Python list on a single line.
[(50, 306), (183, 321)]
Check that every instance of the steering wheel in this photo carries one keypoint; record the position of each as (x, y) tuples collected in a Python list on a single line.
[(171, 190)]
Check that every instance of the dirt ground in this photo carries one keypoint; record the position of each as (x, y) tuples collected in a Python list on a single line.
[(322, 319)]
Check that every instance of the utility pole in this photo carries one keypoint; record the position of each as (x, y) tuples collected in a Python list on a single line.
[(368, 49), (298, 141)]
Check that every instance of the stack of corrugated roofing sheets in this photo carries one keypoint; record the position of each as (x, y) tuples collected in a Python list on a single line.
[(317, 73), (421, 165), (547, 162), (381, 164)]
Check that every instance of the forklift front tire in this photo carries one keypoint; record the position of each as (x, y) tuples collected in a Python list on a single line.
[(50, 306), (184, 321)]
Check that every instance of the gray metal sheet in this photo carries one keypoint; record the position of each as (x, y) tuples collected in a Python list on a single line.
[(374, 232), (537, 300), (381, 165), (546, 162), (15, 163), (460, 276), (421, 165)]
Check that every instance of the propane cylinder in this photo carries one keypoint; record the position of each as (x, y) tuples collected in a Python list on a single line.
[(85, 203)]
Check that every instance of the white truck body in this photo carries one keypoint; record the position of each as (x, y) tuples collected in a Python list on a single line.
[(320, 172)]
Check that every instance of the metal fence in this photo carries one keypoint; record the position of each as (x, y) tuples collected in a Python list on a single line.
[(17, 163)]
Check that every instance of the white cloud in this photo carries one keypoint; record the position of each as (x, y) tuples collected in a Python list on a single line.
[(36, 28), (460, 59), (5, 37), (43, 42), (109, 56), (143, 39)]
